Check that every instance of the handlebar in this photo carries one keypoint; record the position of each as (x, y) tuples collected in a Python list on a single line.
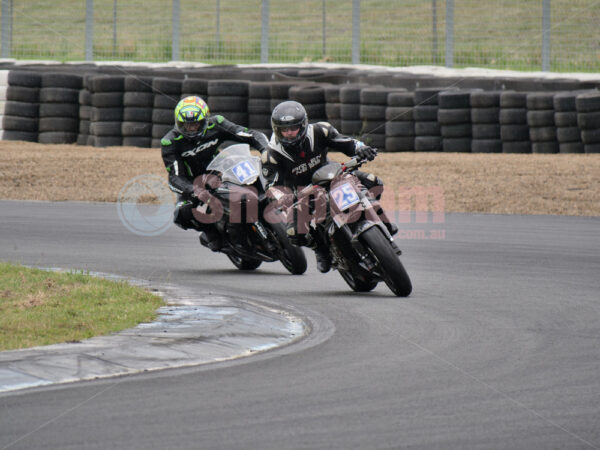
[(353, 164)]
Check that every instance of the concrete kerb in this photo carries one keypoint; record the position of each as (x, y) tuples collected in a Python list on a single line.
[(192, 329)]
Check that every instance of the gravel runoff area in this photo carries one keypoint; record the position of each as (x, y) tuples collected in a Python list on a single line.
[(561, 184)]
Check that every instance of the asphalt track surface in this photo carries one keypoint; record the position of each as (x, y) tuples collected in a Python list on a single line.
[(497, 347)]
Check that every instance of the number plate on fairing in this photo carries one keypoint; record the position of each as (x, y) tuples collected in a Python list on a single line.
[(244, 171), (344, 196)]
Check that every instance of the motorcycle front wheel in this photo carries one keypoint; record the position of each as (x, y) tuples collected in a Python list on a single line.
[(356, 283), (291, 257), (244, 263), (391, 267)]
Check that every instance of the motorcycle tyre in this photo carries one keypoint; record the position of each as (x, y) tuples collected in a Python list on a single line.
[(356, 284), (292, 257), (394, 274), (244, 263)]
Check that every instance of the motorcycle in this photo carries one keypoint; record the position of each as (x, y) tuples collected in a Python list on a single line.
[(361, 247), (235, 192)]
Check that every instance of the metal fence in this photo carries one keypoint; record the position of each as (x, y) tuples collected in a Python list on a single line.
[(555, 35)]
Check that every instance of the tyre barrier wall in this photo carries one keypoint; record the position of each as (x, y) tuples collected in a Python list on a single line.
[(133, 106)]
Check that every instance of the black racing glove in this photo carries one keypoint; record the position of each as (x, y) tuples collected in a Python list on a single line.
[(365, 152)]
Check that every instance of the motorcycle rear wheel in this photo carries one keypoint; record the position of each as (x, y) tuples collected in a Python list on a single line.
[(357, 284), (244, 263), (393, 271)]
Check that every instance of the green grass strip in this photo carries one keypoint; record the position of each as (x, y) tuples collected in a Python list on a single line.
[(39, 307)]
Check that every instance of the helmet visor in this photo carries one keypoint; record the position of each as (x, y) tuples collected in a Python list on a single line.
[(288, 133), (191, 128)]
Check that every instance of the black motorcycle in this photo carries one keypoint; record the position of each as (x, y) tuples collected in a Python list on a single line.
[(338, 210), (236, 202)]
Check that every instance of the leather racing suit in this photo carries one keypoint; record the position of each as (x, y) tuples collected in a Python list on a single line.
[(185, 159)]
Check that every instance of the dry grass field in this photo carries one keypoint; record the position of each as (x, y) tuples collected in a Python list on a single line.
[(488, 183)]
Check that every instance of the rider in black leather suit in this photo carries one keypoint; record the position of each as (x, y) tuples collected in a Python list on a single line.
[(297, 149), (187, 150)]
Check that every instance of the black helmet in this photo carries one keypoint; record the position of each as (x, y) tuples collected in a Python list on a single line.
[(289, 116)]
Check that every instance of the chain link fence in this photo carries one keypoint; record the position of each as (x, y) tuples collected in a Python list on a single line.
[(555, 35)]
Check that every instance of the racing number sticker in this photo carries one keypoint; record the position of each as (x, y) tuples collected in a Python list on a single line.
[(244, 171), (344, 196)]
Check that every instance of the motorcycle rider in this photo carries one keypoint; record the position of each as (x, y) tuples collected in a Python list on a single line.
[(296, 150), (188, 149)]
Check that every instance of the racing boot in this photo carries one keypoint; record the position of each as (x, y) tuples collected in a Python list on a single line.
[(212, 239), (323, 259)]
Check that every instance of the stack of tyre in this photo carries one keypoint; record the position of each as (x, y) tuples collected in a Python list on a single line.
[(514, 130), (400, 123), (428, 137), (485, 119), (167, 93), (280, 92), (138, 104), (259, 106), (454, 117), (107, 110), (20, 116), (372, 111), (137, 111), (568, 134), (540, 118), (588, 117), (333, 107), (196, 87), (350, 109), (230, 99), (85, 112), (312, 97), (59, 108)]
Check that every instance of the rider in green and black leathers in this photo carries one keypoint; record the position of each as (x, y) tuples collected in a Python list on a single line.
[(189, 148), (298, 149)]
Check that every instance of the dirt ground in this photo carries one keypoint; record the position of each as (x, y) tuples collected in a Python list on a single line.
[(489, 183)]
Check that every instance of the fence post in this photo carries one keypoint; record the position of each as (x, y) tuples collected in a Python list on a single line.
[(114, 50), (449, 33), (324, 51), (175, 31), (218, 27), (6, 28), (546, 25), (264, 37), (89, 30), (355, 31), (434, 44)]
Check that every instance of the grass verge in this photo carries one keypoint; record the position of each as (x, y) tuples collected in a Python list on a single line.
[(38, 307)]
